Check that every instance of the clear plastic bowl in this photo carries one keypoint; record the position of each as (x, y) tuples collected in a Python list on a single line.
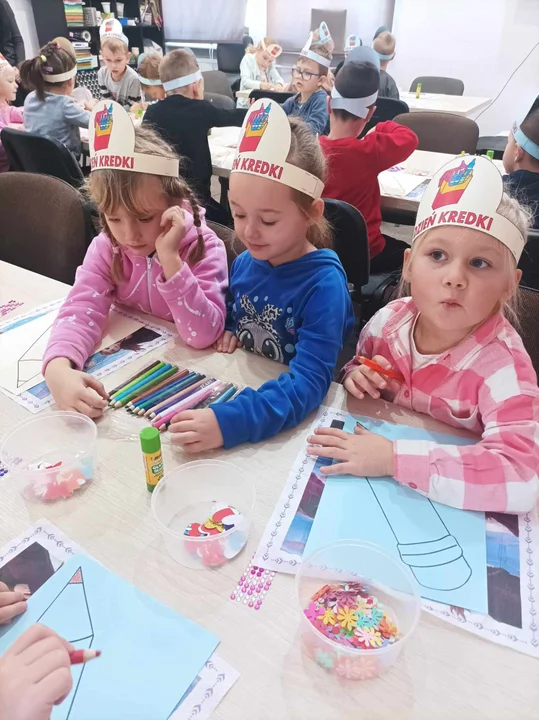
[(391, 582), (190, 494), (52, 456)]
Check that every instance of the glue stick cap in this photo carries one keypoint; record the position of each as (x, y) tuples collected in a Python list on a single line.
[(150, 440)]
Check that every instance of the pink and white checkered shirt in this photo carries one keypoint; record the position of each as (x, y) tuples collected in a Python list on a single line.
[(487, 385)]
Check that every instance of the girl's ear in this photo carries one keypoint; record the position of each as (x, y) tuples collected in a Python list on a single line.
[(317, 210), (406, 274)]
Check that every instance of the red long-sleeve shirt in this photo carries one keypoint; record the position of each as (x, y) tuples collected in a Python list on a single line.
[(354, 166)]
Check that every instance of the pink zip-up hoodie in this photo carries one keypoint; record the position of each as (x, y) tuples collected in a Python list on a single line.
[(194, 298)]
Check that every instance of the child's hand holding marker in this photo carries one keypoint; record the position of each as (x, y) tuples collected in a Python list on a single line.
[(75, 390), (11, 604), (362, 454), (371, 377)]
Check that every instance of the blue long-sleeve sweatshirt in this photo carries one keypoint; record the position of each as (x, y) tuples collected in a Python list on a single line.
[(314, 111), (298, 313)]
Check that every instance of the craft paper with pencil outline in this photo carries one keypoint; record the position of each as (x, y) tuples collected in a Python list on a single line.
[(23, 347), (151, 654), (409, 526)]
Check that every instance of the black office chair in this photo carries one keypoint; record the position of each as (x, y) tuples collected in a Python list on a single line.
[(529, 262), (51, 232), (438, 85), (386, 109), (217, 82), (229, 57), (496, 143), (220, 101), (529, 311), (30, 152), (279, 97)]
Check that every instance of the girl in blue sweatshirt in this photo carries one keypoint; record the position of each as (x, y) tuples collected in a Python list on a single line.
[(289, 298)]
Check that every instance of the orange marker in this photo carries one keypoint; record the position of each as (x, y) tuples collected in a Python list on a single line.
[(393, 374), (78, 657)]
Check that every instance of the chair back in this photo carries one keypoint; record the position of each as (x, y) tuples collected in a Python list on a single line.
[(279, 97), (529, 312), (438, 85), (386, 109), (223, 102), (40, 154), (350, 241), (44, 226), (216, 82), (233, 244), (229, 57), (529, 261), (442, 132)]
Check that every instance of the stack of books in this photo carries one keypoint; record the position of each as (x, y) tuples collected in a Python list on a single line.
[(90, 16), (74, 13), (84, 56)]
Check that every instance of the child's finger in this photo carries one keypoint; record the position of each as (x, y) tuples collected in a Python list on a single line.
[(373, 377), (333, 453), (10, 598), (41, 648), (54, 686), (88, 410), (10, 611), (342, 468), (98, 386), (185, 438), (353, 388), (333, 432), (93, 399)]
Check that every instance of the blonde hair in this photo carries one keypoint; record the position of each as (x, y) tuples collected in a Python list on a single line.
[(384, 43), (267, 41), (325, 50), (306, 153), (177, 64), (115, 45), (149, 66), (522, 218), (112, 188)]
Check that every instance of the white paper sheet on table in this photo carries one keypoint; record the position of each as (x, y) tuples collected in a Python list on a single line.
[(23, 347), (398, 183), (214, 680)]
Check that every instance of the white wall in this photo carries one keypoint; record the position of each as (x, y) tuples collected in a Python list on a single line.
[(256, 19), (24, 15), (479, 41)]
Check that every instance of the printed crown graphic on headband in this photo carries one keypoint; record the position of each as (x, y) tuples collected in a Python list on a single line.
[(466, 193), (4, 63), (352, 41), (112, 144), (264, 146), (273, 49), (112, 28), (308, 52)]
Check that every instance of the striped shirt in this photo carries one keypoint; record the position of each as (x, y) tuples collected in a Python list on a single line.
[(126, 91), (487, 385)]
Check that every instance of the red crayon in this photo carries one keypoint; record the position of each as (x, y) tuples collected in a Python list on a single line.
[(393, 374), (78, 657)]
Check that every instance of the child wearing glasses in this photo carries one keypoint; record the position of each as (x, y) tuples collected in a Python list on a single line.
[(308, 76)]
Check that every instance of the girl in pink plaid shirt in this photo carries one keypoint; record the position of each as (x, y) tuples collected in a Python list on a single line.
[(460, 359)]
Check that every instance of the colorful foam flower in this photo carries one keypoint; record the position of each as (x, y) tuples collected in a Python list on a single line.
[(363, 605), (347, 617), (365, 620), (376, 615), (369, 637), (324, 659), (386, 627), (327, 617)]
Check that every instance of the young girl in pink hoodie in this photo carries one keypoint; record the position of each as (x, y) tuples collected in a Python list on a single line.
[(8, 113), (155, 254)]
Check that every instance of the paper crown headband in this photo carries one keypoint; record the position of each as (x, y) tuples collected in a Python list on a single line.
[(4, 63), (112, 144), (112, 28), (380, 30), (358, 106), (182, 81), (466, 193), (264, 146), (352, 42), (273, 49), (521, 138), (308, 51)]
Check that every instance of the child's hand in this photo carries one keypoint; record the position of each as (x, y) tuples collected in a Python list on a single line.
[(361, 454), (11, 604), (227, 343), (75, 390), (196, 430), (35, 675), (167, 244), (364, 380)]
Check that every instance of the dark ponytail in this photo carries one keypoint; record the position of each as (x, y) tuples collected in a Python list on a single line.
[(52, 60)]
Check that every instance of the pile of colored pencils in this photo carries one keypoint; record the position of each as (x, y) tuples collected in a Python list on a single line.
[(161, 390)]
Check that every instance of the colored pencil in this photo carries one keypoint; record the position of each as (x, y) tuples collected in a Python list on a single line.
[(192, 397), (159, 376), (137, 381), (186, 404), (78, 657), (177, 377), (136, 386), (218, 391), (393, 374), (134, 377), (224, 397), (163, 406), (148, 406)]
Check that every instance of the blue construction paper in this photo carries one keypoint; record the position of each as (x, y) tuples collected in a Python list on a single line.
[(151, 654), (445, 548)]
